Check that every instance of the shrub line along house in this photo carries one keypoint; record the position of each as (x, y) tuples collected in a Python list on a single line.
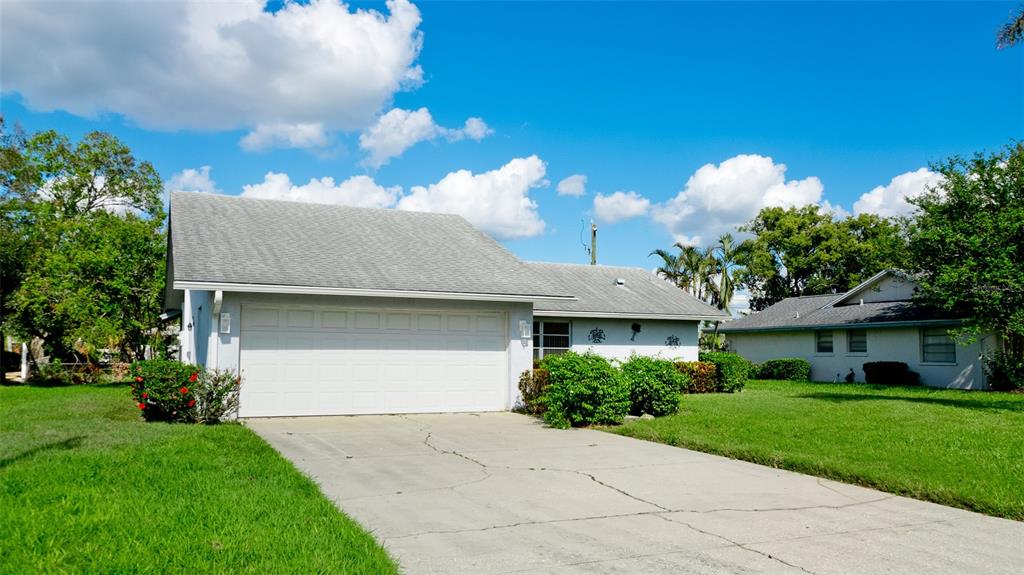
[(332, 310), (875, 321)]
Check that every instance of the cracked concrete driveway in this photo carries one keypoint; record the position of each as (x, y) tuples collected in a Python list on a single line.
[(500, 493)]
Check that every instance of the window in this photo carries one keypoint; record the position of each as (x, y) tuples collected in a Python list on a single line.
[(937, 346), (856, 341), (823, 342), (550, 337)]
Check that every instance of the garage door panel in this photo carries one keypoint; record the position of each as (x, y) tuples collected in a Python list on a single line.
[(305, 360)]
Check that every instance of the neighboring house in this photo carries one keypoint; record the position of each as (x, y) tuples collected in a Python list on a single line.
[(336, 310), (875, 321)]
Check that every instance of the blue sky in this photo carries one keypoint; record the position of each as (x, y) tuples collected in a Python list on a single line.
[(698, 113)]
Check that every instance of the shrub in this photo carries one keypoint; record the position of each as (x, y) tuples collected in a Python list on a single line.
[(216, 395), (890, 373), (52, 374), (532, 384), (700, 376), (731, 370), (1005, 372), (164, 389), (654, 385), (790, 368), (583, 389)]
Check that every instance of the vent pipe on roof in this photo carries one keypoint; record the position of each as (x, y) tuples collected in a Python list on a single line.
[(620, 282)]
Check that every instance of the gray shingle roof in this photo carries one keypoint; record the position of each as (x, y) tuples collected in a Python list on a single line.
[(642, 293), (226, 239), (807, 312)]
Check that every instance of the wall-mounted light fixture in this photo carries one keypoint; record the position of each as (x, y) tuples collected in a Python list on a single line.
[(525, 329), (225, 323)]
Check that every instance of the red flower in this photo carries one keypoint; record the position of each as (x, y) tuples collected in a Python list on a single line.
[(138, 379), (192, 378), (145, 395), (183, 390), (142, 406), (192, 403)]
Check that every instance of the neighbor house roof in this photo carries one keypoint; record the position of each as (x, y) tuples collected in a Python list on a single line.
[(820, 311), (240, 244), (606, 291)]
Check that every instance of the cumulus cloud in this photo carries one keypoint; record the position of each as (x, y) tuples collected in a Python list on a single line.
[(718, 199), (497, 202), (891, 200), (360, 191), (574, 185), (279, 135), (619, 206), (192, 180), (213, 65), (398, 130)]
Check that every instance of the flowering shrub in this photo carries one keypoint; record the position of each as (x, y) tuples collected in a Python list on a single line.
[(216, 395), (160, 388), (701, 376)]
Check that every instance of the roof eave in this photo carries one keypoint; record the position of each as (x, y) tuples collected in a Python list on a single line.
[(627, 315), (360, 292), (852, 325)]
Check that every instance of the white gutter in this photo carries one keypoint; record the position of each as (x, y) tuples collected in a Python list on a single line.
[(218, 300), (617, 315), (307, 290)]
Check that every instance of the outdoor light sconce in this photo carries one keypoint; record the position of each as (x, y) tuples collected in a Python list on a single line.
[(524, 329), (225, 323)]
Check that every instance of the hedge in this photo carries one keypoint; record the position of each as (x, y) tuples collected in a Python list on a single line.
[(731, 370), (583, 389), (654, 385), (700, 376), (789, 368)]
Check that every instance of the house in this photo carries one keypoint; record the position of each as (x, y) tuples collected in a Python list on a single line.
[(875, 321), (329, 310)]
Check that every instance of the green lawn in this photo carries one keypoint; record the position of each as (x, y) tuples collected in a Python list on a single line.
[(958, 448), (87, 486)]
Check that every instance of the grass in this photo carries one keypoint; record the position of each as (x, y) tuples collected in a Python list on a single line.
[(87, 486), (958, 448)]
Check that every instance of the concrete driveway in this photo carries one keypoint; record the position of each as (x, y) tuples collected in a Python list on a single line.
[(500, 493)]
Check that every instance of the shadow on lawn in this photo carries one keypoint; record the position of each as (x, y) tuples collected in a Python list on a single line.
[(69, 443), (992, 405)]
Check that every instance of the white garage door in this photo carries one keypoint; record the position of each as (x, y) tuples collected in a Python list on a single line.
[(301, 360)]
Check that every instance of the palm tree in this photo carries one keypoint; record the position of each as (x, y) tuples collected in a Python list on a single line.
[(1012, 33), (730, 257), (669, 268)]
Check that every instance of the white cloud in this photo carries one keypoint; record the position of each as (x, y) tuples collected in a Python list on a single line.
[(280, 135), (360, 191), (619, 206), (498, 202), (192, 180), (211, 65), (718, 199), (574, 185), (398, 130), (891, 200)]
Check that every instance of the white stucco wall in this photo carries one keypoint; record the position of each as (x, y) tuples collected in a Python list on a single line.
[(221, 351), (619, 342), (884, 344)]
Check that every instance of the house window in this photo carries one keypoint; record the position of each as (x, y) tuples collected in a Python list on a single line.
[(937, 346), (856, 341), (823, 342), (550, 337)]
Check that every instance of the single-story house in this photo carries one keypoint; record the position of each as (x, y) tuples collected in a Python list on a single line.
[(875, 321), (331, 310)]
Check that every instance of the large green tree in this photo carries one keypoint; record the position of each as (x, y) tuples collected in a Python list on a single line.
[(967, 245), (88, 220), (806, 251)]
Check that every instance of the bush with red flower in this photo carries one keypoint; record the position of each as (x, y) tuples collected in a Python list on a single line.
[(168, 390)]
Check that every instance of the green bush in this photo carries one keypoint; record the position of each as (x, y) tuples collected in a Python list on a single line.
[(654, 385), (890, 373), (216, 395), (163, 389), (53, 374), (731, 370), (532, 384), (789, 368), (700, 376), (1005, 372), (583, 389)]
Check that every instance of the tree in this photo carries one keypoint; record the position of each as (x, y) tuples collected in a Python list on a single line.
[(710, 274), (967, 245), (730, 257), (804, 251), (89, 219), (1011, 33)]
